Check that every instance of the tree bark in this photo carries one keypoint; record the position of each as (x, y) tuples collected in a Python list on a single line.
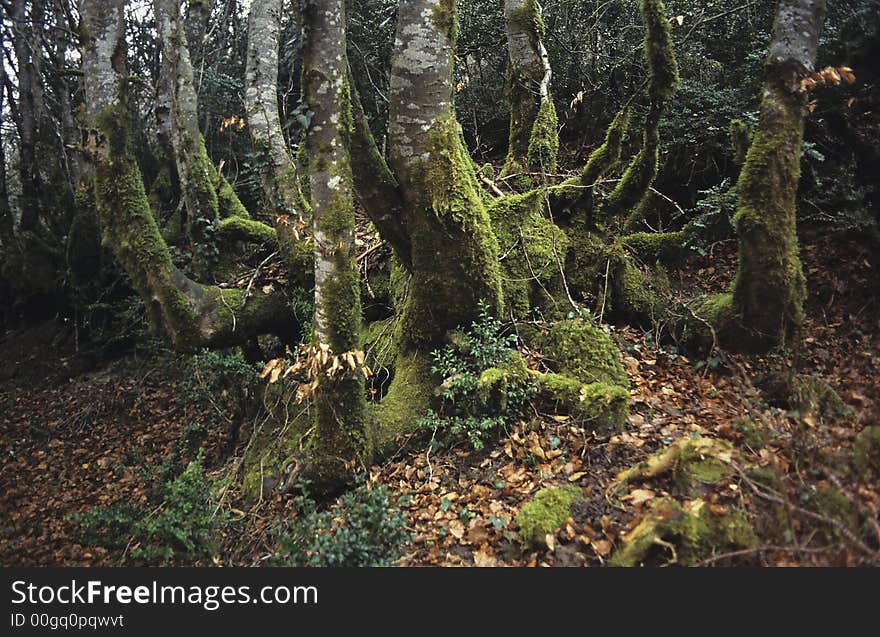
[(454, 251), (341, 433), (198, 14), (278, 172), (532, 114), (25, 28)]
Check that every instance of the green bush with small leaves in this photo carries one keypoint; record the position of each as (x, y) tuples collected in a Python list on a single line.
[(485, 382), (368, 528)]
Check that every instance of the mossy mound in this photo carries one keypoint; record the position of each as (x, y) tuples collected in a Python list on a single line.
[(672, 534), (591, 384), (545, 513), (582, 351), (866, 456)]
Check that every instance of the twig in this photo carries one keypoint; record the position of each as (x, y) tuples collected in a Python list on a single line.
[(837, 524), (247, 291), (760, 549)]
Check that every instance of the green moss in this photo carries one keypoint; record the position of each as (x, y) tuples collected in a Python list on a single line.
[(720, 313), (445, 19), (633, 297), (671, 534), (637, 178), (600, 406), (659, 51), (769, 288), (702, 462), (130, 231), (866, 456), (492, 383), (630, 193), (455, 253), (408, 398), (228, 203), (545, 513), (532, 251), (584, 352), (651, 247), (544, 139), (274, 443), (242, 229)]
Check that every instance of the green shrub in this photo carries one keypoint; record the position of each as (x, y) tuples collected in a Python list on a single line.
[(368, 528), (175, 526), (485, 382)]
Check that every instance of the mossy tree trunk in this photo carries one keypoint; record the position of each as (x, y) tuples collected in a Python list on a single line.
[(198, 14), (207, 194), (340, 407), (766, 307), (278, 171), (454, 251), (188, 314), (632, 194), (533, 138)]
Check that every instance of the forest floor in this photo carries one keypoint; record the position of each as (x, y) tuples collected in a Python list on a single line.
[(65, 433)]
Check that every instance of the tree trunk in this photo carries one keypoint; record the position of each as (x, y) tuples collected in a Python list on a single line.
[(207, 194), (454, 251), (278, 171), (189, 314), (30, 107), (341, 435), (198, 14), (765, 309), (533, 139)]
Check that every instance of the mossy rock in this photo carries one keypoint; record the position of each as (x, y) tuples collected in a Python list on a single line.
[(582, 351), (493, 383), (866, 456), (545, 513), (670, 533)]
